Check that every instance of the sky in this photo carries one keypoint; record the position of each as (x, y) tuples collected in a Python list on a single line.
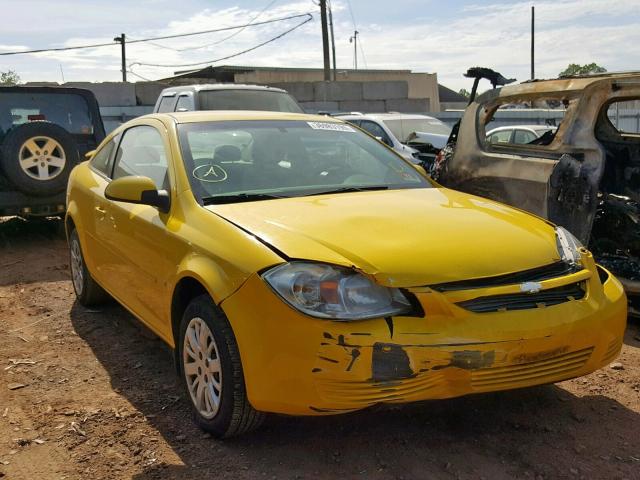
[(445, 37)]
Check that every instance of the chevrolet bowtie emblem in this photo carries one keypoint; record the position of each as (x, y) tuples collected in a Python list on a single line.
[(530, 287)]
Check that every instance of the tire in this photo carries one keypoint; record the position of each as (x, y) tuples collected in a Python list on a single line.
[(219, 371), (37, 158), (88, 292)]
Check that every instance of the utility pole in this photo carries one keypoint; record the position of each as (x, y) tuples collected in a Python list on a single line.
[(354, 40), (533, 16), (333, 42), (325, 39), (121, 39)]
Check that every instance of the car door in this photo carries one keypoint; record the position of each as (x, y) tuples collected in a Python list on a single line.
[(93, 208), (142, 253)]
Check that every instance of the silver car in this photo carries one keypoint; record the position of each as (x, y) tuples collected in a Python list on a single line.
[(418, 138), (518, 134)]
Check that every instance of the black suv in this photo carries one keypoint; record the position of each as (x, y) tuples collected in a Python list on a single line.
[(44, 132)]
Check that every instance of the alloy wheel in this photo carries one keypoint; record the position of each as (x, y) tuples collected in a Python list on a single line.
[(42, 158), (202, 368), (77, 267)]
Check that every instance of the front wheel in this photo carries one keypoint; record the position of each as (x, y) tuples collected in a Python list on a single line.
[(211, 371)]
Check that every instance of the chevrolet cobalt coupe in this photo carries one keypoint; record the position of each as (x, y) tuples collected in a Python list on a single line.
[(297, 265)]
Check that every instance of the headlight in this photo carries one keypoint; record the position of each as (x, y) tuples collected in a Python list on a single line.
[(337, 293), (568, 246)]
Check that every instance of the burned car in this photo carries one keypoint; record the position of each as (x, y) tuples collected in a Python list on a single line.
[(584, 175)]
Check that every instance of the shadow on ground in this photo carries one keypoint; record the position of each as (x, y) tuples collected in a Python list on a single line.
[(544, 431)]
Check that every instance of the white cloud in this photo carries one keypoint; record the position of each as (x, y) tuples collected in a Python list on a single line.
[(494, 35)]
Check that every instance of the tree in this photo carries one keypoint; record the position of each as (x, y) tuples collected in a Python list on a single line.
[(9, 78), (586, 69), (464, 92)]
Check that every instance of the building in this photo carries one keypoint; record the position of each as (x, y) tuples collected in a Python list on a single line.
[(450, 100)]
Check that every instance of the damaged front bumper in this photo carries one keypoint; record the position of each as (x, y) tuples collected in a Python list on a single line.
[(298, 365)]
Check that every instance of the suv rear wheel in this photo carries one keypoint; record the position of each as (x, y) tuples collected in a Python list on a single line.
[(37, 158)]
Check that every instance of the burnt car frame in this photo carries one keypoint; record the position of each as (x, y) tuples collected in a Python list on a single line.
[(585, 176)]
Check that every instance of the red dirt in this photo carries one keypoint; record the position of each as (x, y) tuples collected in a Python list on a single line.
[(102, 401)]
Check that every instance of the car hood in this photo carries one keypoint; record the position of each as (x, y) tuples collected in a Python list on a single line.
[(403, 238)]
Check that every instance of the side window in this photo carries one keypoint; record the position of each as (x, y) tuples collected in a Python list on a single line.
[(184, 104), (141, 152), (103, 159), (523, 137), (624, 116), (166, 104), (503, 136), (375, 130)]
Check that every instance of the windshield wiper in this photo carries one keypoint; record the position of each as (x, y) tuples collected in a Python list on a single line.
[(239, 197), (351, 189)]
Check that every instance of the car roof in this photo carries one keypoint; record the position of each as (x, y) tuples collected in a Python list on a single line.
[(219, 86), (238, 115), (384, 116)]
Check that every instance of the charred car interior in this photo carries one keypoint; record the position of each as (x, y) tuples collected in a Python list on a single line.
[(583, 175)]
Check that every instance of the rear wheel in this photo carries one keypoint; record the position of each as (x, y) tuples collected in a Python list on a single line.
[(212, 372), (87, 290)]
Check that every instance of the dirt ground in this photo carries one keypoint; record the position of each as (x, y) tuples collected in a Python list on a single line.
[(90, 394)]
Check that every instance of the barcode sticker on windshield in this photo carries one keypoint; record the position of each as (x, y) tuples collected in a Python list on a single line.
[(337, 127)]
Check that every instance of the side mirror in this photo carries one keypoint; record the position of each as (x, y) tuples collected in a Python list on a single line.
[(89, 155), (140, 190)]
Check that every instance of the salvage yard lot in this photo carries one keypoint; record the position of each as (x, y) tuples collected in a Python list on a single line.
[(91, 394)]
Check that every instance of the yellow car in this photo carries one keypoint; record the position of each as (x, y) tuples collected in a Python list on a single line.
[(297, 265)]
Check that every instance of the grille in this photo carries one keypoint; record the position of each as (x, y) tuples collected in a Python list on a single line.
[(553, 369), (523, 301), (554, 270)]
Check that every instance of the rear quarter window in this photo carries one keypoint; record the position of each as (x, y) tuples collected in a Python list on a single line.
[(625, 116), (102, 161)]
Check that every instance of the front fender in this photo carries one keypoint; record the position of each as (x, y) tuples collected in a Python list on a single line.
[(218, 282)]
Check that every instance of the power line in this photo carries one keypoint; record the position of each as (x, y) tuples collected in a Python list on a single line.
[(355, 27), (240, 30), (269, 5), (165, 37), (364, 59), (353, 18), (273, 39)]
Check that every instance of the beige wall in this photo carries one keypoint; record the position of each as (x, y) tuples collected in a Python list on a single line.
[(421, 85)]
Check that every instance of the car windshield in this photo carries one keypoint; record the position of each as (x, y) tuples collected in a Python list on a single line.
[(247, 100), (402, 128), (68, 110), (236, 161)]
